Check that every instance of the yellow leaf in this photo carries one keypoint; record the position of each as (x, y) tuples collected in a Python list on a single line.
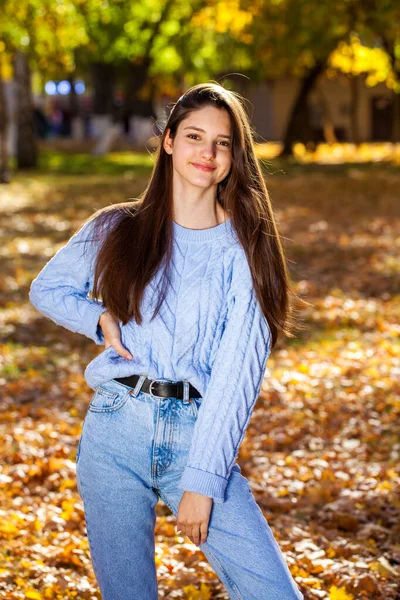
[(391, 473), (191, 593), (336, 593), (8, 527), (384, 485), (158, 561), (25, 563), (383, 567), (33, 594), (67, 483)]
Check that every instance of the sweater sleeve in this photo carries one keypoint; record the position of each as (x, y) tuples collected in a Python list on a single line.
[(60, 291), (233, 389)]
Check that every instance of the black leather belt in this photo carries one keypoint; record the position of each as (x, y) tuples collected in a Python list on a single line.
[(160, 387)]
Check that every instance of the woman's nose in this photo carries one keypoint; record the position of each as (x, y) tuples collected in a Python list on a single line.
[(208, 151)]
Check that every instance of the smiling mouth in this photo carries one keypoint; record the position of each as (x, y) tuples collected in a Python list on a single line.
[(203, 167)]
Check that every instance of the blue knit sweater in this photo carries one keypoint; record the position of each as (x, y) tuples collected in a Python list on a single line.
[(210, 330)]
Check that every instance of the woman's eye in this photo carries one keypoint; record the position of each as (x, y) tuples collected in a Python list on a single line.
[(195, 136)]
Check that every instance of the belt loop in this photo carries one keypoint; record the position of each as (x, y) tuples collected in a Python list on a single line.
[(185, 391), (138, 386)]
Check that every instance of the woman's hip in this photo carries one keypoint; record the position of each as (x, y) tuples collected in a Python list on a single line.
[(125, 434)]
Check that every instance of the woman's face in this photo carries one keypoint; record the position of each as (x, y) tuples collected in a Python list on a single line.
[(201, 149)]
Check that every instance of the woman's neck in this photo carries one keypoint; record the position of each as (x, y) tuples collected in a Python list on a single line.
[(200, 219)]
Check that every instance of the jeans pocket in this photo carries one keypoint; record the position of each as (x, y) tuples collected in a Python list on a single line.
[(195, 404), (108, 399)]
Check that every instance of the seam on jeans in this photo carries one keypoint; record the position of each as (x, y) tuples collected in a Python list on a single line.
[(194, 409), (166, 501), (230, 581), (109, 409), (89, 536), (170, 443), (154, 463), (78, 450)]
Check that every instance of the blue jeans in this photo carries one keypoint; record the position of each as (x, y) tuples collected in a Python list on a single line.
[(132, 451)]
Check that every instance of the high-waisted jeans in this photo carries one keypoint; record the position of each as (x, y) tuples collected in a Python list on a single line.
[(132, 451)]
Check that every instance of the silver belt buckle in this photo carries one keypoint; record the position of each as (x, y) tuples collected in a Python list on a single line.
[(156, 381)]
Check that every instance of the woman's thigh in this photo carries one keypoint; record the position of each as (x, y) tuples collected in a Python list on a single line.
[(113, 462), (240, 545)]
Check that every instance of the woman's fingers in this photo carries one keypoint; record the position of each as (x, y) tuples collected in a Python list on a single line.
[(118, 347), (121, 350), (112, 335), (197, 534), (203, 532)]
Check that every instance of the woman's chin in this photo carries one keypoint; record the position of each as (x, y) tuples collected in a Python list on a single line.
[(202, 180)]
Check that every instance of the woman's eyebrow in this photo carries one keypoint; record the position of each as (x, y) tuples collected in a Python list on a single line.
[(228, 137)]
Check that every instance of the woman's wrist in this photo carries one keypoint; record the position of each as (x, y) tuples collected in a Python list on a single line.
[(103, 317)]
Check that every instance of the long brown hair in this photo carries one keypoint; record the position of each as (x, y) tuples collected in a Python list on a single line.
[(141, 236)]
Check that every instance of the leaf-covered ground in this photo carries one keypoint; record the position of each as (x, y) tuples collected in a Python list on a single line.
[(322, 448)]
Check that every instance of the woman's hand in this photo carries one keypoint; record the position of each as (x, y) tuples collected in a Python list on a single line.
[(193, 516), (112, 334)]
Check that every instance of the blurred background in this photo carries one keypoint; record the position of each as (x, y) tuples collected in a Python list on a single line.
[(84, 87), (98, 74)]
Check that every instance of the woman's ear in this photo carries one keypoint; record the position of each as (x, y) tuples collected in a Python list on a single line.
[(168, 142)]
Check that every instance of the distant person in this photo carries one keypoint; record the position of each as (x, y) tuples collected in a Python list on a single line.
[(42, 124), (189, 290), (66, 123)]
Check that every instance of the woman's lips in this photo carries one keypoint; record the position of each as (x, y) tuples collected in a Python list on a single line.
[(203, 167)]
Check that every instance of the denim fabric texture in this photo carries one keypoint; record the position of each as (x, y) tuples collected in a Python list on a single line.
[(132, 451)]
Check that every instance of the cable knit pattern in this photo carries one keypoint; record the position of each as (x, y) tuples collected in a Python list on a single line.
[(210, 330)]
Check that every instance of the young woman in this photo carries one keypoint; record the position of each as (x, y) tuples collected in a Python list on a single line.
[(187, 288)]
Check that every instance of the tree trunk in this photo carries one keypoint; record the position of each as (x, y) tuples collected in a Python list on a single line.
[(73, 97), (298, 128), (77, 125), (354, 108), (138, 73), (26, 138), (136, 77), (103, 77), (395, 137), (105, 131), (136, 111), (327, 120), (390, 49), (5, 174)]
